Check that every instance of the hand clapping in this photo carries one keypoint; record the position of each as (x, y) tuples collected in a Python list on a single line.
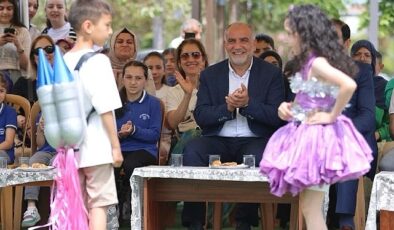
[(238, 99), (126, 129)]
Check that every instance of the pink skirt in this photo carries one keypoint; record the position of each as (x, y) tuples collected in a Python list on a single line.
[(299, 155)]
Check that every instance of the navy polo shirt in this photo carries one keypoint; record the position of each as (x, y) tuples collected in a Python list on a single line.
[(7, 120)]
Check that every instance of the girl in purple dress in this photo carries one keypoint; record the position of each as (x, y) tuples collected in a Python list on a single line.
[(318, 146)]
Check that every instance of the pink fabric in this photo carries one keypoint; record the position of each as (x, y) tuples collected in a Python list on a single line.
[(68, 211), (298, 156)]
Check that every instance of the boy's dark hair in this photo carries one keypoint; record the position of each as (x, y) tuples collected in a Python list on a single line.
[(15, 15), (122, 92), (264, 37), (318, 37), (345, 29), (271, 53), (82, 10)]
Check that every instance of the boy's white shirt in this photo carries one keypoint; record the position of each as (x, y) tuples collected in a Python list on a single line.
[(100, 91)]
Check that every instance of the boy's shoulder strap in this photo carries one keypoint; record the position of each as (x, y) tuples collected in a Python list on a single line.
[(84, 58)]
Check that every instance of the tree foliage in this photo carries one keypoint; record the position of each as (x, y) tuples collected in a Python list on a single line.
[(269, 15), (386, 18)]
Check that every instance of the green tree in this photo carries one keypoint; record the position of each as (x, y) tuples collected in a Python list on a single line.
[(386, 18)]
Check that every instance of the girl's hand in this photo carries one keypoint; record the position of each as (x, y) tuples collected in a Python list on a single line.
[(12, 38), (284, 111), (126, 129), (3, 40), (185, 83), (320, 118)]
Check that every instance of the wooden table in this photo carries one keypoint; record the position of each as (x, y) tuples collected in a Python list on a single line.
[(153, 185), (382, 199), (12, 182)]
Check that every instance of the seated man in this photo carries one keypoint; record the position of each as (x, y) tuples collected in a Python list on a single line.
[(236, 109)]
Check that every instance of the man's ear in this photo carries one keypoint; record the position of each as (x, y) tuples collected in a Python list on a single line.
[(381, 66)]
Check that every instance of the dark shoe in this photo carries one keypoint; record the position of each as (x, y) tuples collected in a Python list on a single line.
[(243, 226), (196, 226)]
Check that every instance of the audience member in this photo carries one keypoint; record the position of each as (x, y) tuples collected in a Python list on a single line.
[(170, 66), (45, 155), (364, 51), (361, 112), (14, 43), (236, 109), (8, 124), (181, 100), (122, 49), (155, 63), (27, 87), (138, 122), (191, 28), (264, 43), (272, 57), (57, 25), (33, 7), (65, 45)]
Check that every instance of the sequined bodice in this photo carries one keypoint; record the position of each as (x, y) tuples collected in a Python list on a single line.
[(311, 95)]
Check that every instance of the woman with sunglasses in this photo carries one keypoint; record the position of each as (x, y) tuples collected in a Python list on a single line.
[(45, 153), (27, 87), (181, 99), (14, 43)]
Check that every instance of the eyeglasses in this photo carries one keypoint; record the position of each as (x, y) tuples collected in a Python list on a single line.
[(195, 55), (47, 49)]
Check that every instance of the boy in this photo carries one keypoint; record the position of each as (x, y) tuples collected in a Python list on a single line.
[(92, 23)]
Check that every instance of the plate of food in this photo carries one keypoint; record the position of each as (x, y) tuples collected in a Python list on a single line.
[(35, 167), (227, 165)]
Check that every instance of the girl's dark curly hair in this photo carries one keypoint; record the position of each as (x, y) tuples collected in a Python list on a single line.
[(318, 35)]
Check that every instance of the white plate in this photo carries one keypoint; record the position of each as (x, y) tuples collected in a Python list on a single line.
[(35, 169), (240, 166)]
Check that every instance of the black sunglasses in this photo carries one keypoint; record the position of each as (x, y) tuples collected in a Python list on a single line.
[(47, 49), (195, 55)]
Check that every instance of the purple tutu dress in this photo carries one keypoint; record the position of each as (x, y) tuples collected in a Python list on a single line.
[(299, 155)]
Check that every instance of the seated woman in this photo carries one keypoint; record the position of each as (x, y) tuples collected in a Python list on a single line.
[(27, 87), (122, 49), (14, 43), (181, 100), (45, 155), (139, 124), (7, 124)]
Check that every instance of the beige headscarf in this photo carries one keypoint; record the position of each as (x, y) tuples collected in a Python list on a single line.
[(117, 64)]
